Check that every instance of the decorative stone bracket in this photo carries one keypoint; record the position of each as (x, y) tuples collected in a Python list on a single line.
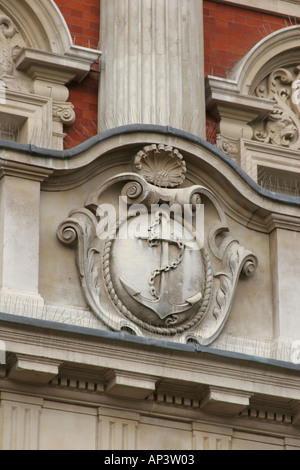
[(234, 113)]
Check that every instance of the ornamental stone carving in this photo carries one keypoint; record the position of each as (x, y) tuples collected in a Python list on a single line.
[(158, 260), (256, 108), (282, 125), (161, 165), (228, 146), (11, 42), (64, 112)]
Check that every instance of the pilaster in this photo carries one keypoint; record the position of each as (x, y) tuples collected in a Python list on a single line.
[(20, 226), (19, 422), (117, 429), (285, 262), (208, 437)]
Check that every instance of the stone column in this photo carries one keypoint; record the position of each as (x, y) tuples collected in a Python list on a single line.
[(152, 64)]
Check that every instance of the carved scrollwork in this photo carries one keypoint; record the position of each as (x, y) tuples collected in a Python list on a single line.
[(11, 43), (133, 190), (79, 231), (67, 233), (228, 146), (250, 265), (7, 27), (282, 126), (236, 261), (64, 112)]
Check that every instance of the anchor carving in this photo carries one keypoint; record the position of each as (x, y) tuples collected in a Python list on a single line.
[(207, 256), (161, 303)]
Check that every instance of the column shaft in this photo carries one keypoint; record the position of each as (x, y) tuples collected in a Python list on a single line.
[(152, 64)]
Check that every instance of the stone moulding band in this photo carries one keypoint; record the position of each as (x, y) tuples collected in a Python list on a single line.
[(75, 152), (46, 326)]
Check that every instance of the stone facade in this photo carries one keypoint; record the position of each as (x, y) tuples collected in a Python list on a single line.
[(148, 283)]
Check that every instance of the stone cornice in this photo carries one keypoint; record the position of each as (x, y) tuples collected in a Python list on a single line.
[(287, 8), (224, 98), (21, 170), (211, 377), (89, 151), (61, 68)]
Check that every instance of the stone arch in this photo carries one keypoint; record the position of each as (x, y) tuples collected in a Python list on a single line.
[(39, 59), (258, 111), (41, 23), (280, 48)]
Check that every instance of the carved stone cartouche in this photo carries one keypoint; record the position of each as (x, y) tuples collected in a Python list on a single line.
[(154, 265)]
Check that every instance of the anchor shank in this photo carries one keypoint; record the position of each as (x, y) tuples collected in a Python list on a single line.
[(164, 261)]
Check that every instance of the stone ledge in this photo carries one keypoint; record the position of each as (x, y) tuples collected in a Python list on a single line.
[(224, 401), (135, 365), (63, 67), (130, 385), (32, 369), (288, 8)]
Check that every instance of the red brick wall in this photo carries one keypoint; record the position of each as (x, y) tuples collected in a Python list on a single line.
[(83, 20), (229, 33)]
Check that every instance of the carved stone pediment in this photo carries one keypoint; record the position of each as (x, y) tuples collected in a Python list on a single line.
[(155, 257)]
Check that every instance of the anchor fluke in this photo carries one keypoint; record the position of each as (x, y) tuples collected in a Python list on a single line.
[(133, 291), (194, 299), (161, 306)]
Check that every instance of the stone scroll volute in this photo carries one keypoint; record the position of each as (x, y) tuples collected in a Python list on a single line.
[(158, 261), (282, 125)]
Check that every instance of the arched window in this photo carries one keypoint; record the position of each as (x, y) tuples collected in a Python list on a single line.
[(38, 60), (258, 109)]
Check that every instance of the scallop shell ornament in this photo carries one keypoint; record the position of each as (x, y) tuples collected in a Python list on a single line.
[(161, 165)]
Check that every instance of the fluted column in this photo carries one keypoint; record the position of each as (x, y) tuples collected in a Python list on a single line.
[(152, 64)]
